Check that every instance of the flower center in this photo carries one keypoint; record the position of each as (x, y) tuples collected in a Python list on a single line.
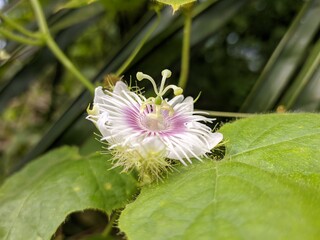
[(158, 119), (155, 122)]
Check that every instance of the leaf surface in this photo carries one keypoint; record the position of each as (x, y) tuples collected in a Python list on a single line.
[(36, 200), (266, 187)]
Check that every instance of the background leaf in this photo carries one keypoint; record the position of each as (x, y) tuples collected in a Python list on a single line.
[(36, 200), (75, 4), (266, 187), (284, 61), (304, 78), (309, 99), (176, 4)]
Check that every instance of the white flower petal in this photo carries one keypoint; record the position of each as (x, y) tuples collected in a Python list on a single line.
[(102, 124), (186, 106), (215, 139), (174, 101), (150, 145), (98, 95), (119, 87)]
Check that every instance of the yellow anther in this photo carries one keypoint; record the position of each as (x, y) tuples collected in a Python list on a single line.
[(177, 91)]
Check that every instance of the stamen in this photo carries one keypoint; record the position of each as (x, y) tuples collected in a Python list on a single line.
[(140, 76), (149, 101), (165, 74), (176, 90), (158, 102), (166, 106)]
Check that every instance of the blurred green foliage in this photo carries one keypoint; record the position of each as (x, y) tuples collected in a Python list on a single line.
[(42, 105)]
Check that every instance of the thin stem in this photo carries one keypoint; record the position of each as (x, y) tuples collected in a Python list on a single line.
[(185, 48), (171, 86), (20, 39), (18, 27), (55, 48), (165, 74), (40, 17), (109, 226), (125, 65), (68, 64), (227, 114), (141, 76), (163, 81)]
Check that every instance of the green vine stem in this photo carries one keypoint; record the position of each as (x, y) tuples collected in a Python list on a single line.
[(55, 48), (185, 47), (21, 39), (139, 46), (109, 226), (227, 114), (18, 27)]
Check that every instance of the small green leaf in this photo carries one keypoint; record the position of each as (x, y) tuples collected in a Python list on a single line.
[(36, 200), (266, 187), (176, 4)]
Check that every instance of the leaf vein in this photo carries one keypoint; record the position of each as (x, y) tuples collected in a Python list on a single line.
[(271, 144)]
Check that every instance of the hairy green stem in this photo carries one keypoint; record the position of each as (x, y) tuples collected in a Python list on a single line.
[(55, 48), (18, 38), (185, 48), (138, 47), (109, 226)]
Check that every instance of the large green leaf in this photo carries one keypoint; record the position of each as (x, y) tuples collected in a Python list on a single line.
[(36, 200), (266, 187)]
